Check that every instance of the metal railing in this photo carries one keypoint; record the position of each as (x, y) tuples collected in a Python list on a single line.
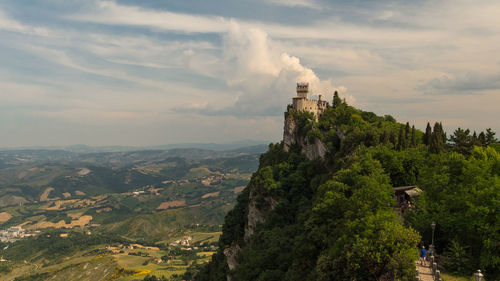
[(436, 273)]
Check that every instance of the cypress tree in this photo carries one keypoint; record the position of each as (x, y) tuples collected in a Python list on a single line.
[(407, 131), (405, 140), (427, 136), (392, 138), (436, 142), (386, 138), (336, 99), (382, 137), (443, 134), (413, 137), (481, 139), (371, 138), (402, 139)]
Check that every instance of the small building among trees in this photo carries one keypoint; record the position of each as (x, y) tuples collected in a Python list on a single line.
[(404, 195)]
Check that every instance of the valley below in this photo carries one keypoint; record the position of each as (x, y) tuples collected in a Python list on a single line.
[(115, 215)]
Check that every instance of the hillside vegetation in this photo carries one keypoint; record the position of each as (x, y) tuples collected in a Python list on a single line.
[(335, 218), (81, 214)]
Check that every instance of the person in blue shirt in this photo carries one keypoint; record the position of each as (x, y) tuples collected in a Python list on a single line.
[(423, 255)]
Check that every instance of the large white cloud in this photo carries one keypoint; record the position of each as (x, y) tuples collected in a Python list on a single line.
[(261, 76)]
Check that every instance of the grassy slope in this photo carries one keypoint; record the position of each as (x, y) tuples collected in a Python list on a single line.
[(165, 224), (94, 265), (452, 277), (134, 218)]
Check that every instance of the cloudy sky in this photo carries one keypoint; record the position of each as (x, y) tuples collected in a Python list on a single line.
[(154, 72)]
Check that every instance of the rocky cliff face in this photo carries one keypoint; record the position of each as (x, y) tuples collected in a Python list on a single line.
[(255, 216), (231, 254), (314, 150), (257, 213)]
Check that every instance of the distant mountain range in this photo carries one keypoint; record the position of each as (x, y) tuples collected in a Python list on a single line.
[(26, 173), (82, 148)]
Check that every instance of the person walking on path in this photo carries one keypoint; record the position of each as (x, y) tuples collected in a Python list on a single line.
[(423, 255)]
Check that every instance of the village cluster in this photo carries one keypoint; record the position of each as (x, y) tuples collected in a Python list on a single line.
[(207, 180), (15, 233), (186, 244), (153, 190)]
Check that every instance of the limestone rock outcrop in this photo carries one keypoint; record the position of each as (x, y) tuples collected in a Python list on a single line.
[(256, 215), (312, 150), (231, 254)]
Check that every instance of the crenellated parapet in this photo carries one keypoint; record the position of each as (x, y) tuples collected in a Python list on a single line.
[(301, 102)]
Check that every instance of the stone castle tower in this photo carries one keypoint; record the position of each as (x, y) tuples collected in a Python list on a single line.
[(312, 149), (301, 101)]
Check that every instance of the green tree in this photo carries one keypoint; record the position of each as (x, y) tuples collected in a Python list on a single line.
[(461, 194), (407, 132), (490, 137), (401, 139), (437, 143), (461, 141), (389, 118), (457, 260), (427, 135), (384, 138), (336, 100), (481, 139), (413, 137), (445, 138), (392, 138), (353, 214)]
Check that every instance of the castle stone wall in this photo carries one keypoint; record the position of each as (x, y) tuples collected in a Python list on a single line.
[(314, 106), (302, 103)]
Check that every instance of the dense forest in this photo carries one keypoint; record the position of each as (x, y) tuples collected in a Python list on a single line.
[(336, 218)]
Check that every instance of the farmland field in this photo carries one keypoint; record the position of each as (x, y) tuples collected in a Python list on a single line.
[(80, 216)]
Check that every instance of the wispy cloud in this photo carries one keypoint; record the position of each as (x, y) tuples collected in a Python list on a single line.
[(297, 3), (9, 24), (111, 13), (228, 71), (108, 12), (470, 83)]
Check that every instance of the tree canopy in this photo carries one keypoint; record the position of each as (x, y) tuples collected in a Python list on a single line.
[(334, 218)]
